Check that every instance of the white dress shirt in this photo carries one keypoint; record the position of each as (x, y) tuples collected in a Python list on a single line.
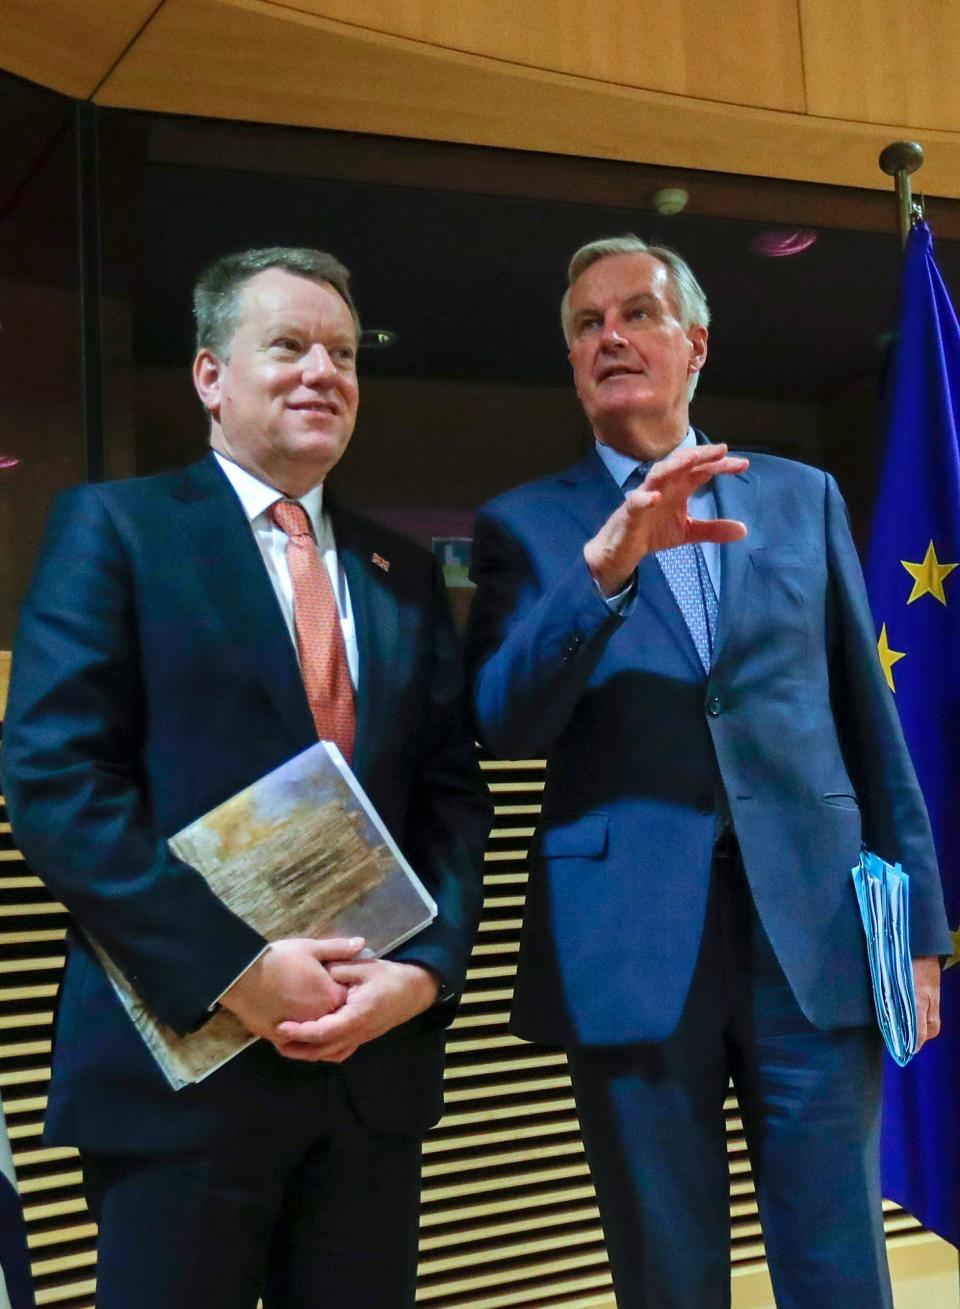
[(256, 497)]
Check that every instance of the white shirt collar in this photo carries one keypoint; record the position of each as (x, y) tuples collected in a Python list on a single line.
[(256, 496)]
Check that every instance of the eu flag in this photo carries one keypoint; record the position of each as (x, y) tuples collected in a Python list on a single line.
[(914, 583)]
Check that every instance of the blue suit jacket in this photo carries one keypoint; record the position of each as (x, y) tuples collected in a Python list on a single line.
[(153, 677), (795, 727)]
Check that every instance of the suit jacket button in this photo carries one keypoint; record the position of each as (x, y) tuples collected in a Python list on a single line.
[(714, 705)]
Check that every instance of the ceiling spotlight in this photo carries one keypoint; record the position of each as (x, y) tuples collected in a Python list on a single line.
[(8, 461), (670, 200), (781, 245), (377, 338)]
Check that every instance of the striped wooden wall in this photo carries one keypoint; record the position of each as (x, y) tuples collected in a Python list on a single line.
[(509, 1216)]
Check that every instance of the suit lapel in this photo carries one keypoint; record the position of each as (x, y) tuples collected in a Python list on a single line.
[(375, 621), (736, 498), (596, 497), (591, 493), (225, 554)]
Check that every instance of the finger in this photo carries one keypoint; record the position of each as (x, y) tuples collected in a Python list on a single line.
[(336, 947), (721, 531), (642, 498), (291, 1050), (675, 476), (342, 1024), (922, 1003), (333, 1053), (349, 974)]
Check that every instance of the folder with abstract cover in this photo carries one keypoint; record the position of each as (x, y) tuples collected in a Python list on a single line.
[(301, 852), (883, 894)]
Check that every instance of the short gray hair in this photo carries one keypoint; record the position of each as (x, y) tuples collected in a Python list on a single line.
[(216, 296), (692, 304)]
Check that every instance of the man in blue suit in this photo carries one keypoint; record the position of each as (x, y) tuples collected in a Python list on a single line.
[(686, 637), (159, 668)]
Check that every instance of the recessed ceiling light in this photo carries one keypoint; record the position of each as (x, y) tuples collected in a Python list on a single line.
[(778, 244), (377, 338), (8, 461)]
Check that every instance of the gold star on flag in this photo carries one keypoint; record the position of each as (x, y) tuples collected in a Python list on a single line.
[(928, 576), (955, 957), (888, 657)]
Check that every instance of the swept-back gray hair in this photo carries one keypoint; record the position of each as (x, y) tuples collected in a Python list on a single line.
[(216, 296), (692, 306)]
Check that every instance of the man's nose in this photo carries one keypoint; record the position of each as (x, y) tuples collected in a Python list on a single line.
[(611, 337), (317, 364)]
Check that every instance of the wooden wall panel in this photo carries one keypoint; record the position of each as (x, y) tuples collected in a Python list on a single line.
[(68, 44), (883, 61), (707, 50), (253, 60)]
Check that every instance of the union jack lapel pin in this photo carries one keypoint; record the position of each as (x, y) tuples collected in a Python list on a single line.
[(380, 561)]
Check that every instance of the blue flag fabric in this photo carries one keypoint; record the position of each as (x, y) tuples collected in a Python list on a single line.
[(16, 1284), (914, 583)]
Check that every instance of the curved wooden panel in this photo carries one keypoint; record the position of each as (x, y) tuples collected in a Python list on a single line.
[(882, 61), (69, 45), (253, 60), (708, 50)]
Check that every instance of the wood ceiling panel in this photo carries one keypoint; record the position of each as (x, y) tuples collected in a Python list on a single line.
[(883, 61), (252, 60), (69, 45), (708, 50)]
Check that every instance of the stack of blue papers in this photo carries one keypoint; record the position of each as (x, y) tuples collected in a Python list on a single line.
[(883, 893)]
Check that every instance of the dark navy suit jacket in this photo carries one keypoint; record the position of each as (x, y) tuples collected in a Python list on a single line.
[(794, 729), (153, 677)]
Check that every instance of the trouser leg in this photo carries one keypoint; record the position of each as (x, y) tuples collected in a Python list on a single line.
[(810, 1101), (655, 1135), (346, 1233), (179, 1231), (312, 1210)]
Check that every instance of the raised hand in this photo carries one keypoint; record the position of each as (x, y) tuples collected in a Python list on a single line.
[(654, 516)]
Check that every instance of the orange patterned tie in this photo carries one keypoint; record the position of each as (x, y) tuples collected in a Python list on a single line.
[(323, 657)]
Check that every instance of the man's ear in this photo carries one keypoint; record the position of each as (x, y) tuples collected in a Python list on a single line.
[(207, 370), (697, 336)]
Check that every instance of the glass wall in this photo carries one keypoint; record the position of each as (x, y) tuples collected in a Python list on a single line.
[(41, 412)]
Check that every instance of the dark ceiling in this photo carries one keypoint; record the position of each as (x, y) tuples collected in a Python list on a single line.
[(471, 283)]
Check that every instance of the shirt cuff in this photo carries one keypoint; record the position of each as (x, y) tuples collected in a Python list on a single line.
[(619, 603)]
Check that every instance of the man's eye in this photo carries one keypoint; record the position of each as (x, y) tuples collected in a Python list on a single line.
[(288, 344), (637, 314), (345, 354)]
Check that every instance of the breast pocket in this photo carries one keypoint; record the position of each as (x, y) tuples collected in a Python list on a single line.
[(785, 585)]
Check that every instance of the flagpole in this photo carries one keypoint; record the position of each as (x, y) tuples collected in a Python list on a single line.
[(898, 160)]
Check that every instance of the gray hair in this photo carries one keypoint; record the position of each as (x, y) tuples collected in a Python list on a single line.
[(216, 296), (692, 306)]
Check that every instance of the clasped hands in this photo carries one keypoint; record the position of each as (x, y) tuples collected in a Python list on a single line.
[(654, 516), (315, 1000)]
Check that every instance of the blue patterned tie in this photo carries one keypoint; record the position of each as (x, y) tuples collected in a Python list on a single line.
[(689, 579)]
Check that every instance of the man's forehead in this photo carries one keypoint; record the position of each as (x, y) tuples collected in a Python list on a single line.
[(620, 277), (287, 295)]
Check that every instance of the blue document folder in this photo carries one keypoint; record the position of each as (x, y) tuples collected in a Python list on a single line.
[(883, 894)]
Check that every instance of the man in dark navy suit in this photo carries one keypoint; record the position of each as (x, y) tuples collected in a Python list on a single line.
[(685, 636), (184, 635)]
